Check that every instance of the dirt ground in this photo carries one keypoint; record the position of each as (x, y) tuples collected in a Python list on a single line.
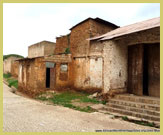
[(22, 114)]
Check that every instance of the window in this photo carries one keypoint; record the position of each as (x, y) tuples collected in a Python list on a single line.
[(64, 67)]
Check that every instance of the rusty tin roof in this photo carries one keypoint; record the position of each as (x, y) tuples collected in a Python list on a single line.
[(132, 28)]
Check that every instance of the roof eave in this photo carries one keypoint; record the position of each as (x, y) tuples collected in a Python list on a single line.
[(112, 37)]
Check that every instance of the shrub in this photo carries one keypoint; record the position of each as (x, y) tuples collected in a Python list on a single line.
[(6, 76), (67, 50), (10, 55), (13, 82)]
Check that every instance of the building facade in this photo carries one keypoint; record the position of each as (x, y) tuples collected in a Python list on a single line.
[(32, 70), (10, 65), (97, 56), (131, 58), (80, 69)]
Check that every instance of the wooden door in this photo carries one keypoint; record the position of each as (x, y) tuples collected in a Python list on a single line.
[(154, 70), (135, 69), (52, 78)]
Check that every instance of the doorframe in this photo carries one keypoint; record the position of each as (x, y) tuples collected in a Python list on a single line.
[(145, 70)]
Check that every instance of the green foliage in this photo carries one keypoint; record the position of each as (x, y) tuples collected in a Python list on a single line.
[(86, 99), (104, 102), (13, 82), (66, 98), (67, 51), (139, 122), (10, 55), (144, 123), (6, 76), (150, 124), (85, 109), (125, 118)]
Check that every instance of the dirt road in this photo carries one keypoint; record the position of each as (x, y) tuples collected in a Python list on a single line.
[(21, 114)]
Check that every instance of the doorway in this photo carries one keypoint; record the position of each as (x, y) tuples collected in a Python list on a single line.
[(153, 69), (50, 77), (47, 77), (144, 69), (135, 69)]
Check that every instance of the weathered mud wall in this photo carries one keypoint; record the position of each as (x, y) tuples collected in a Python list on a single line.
[(79, 45), (116, 57), (7, 64), (32, 75), (61, 44), (41, 49), (87, 63), (62, 75), (14, 68)]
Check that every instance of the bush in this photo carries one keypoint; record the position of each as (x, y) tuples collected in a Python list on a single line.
[(10, 55), (125, 118), (13, 82), (67, 50), (6, 76)]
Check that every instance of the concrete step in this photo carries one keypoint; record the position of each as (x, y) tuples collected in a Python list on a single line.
[(130, 117), (134, 114), (138, 99), (138, 105), (135, 109)]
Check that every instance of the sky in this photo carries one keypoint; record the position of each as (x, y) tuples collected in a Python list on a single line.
[(26, 24)]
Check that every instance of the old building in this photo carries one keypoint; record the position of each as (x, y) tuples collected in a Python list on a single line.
[(32, 70), (131, 64), (11, 66), (15, 68), (79, 69), (131, 58), (41, 49), (62, 43), (99, 56)]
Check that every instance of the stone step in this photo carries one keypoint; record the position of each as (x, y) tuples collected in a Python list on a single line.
[(135, 105), (122, 115), (140, 99), (135, 109), (134, 114)]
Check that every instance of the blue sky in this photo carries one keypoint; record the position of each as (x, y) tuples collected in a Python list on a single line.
[(26, 24)]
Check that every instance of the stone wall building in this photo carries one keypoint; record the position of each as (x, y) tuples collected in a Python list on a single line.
[(80, 69), (131, 58), (102, 57), (15, 68), (32, 70), (131, 64), (41, 49), (31, 75), (98, 56), (11, 66), (62, 43)]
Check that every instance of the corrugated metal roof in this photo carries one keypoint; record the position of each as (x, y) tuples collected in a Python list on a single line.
[(136, 27)]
